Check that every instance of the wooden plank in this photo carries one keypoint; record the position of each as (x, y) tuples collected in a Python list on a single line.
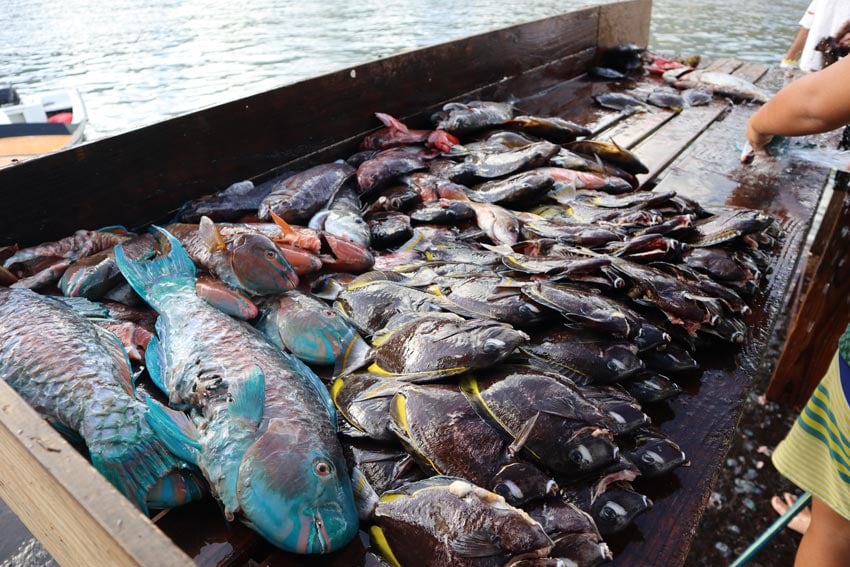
[(79, 517), (822, 315), (670, 140)]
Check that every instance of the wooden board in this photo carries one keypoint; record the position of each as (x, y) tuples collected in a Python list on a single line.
[(78, 516)]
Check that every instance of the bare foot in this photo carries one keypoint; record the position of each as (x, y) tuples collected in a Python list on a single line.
[(800, 522)]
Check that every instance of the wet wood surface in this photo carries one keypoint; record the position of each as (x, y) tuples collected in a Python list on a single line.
[(695, 153)]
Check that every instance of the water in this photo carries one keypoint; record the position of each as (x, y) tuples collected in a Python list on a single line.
[(140, 61)]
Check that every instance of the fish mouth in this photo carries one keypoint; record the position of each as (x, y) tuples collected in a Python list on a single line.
[(313, 537)]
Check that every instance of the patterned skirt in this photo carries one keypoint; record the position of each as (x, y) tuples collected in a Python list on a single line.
[(815, 455)]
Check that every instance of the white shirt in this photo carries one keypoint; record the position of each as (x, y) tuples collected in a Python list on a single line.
[(823, 18)]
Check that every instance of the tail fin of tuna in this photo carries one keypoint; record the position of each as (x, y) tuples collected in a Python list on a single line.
[(135, 465), (154, 276)]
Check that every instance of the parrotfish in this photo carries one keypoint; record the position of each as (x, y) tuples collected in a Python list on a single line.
[(261, 425), (78, 376)]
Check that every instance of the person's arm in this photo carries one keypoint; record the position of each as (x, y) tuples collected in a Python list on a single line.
[(792, 56), (816, 103)]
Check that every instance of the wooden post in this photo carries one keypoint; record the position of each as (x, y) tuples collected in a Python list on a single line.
[(824, 311)]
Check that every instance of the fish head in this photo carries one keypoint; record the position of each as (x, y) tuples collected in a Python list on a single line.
[(260, 266), (519, 483), (588, 451), (295, 491), (615, 509), (622, 360), (493, 341)]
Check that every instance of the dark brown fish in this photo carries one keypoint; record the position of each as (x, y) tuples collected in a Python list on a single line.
[(299, 197)]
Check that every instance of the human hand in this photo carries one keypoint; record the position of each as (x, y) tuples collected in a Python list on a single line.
[(757, 140)]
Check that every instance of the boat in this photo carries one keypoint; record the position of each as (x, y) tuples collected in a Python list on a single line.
[(34, 125), (144, 175)]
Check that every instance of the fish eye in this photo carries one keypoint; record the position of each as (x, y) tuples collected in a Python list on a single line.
[(323, 468), (608, 513), (271, 254)]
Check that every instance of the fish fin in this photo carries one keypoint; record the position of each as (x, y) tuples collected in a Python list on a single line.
[(85, 307), (522, 435), (313, 379), (210, 235), (282, 224), (135, 465), (247, 397), (356, 354), (317, 221), (174, 429), (382, 546), (391, 122), (154, 361), (116, 350), (152, 276), (226, 299), (479, 543), (365, 496), (560, 407)]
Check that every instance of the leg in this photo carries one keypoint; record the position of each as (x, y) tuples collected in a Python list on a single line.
[(827, 541), (800, 522)]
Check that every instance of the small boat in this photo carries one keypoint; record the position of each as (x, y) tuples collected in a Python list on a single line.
[(38, 124)]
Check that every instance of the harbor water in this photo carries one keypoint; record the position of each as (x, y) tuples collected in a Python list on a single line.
[(138, 62)]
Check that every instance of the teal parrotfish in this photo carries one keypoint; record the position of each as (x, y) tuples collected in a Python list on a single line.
[(259, 423)]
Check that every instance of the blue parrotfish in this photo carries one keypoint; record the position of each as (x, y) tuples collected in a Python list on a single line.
[(258, 422)]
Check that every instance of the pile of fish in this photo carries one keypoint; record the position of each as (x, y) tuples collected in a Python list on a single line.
[(469, 319)]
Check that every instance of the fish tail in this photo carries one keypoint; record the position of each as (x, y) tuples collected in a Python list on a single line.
[(154, 276), (138, 465)]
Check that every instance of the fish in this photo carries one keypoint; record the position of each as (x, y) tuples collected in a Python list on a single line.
[(653, 453), (428, 346), (445, 436), (342, 218), (476, 115), (719, 83), (388, 229), (396, 133), (260, 424), (666, 98), (565, 431), (386, 466), (620, 101), (526, 187), (609, 498), (573, 531), (77, 375), (585, 358), (586, 308), (298, 197), (369, 305), (446, 520), (364, 401), (239, 256), (609, 152), (489, 296), (552, 128), (306, 326), (386, 166), (231, 204)]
